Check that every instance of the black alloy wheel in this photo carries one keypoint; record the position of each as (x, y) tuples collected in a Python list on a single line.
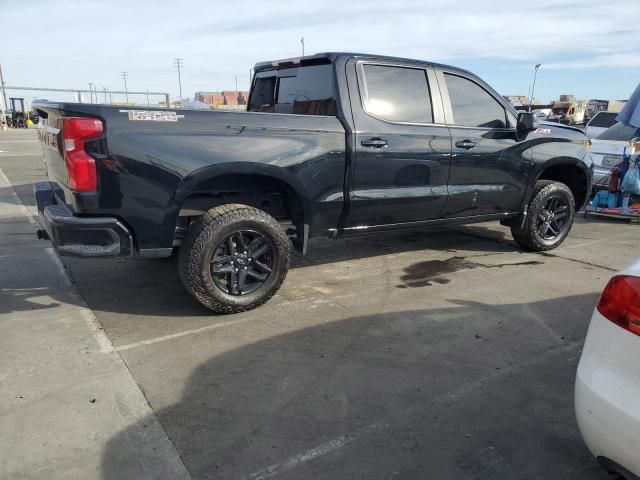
[(552, 218), (242, 262), (549, 218), (234, 258)]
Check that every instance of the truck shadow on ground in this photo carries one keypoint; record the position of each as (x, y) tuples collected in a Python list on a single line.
[(153, 287), (472, 391)]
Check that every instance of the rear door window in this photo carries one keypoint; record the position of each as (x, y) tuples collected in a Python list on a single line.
[(472, 105), (307, 90), (397, 94)]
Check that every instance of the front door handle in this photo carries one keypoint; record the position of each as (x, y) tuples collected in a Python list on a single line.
[(466, 144), (374, 142)]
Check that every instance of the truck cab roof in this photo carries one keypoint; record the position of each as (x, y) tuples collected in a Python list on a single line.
[(330, 57)]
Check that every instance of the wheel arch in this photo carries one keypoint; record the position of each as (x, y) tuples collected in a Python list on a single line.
[(570, 171), (271, 189)]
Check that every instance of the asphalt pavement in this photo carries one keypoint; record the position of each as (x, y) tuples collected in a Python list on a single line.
[(443, 353)]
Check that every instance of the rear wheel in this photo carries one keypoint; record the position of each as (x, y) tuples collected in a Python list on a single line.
[(234, 258), (549, 217)]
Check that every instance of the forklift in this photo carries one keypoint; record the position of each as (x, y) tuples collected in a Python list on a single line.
[(18, 117)]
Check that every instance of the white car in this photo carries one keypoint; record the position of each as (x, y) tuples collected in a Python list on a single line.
[(607, 390), (607, 149), (599, 123)]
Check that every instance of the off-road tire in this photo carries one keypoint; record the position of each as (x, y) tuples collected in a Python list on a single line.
[(526, 235), (203, 237)]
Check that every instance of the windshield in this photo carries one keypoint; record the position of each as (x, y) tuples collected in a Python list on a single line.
[(618, 132), (603, 119)]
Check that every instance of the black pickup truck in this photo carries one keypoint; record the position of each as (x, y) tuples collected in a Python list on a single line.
[(332, 144)]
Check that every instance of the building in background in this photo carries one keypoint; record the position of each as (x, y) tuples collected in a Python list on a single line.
[(517, 100), (226, 98)]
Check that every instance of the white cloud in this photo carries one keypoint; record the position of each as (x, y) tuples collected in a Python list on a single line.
[(72, 42)]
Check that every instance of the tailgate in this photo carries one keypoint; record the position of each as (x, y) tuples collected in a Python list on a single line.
[(50, 135)]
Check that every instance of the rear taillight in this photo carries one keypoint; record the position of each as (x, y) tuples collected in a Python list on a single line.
[(80, 166), (620, 302)]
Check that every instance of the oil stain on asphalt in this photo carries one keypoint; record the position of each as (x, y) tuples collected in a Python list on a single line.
[(425, 274)]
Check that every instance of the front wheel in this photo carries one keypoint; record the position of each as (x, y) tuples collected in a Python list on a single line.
[(234, 258), (549, 217)]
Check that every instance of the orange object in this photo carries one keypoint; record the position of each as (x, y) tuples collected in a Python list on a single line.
[(635, 206)]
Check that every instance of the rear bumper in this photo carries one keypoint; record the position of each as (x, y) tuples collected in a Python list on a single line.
[(80, 236)]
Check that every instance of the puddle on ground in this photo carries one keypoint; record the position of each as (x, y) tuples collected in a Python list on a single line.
[(425, 274)]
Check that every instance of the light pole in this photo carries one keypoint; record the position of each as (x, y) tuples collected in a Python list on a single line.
[(90, 92), (533, 88), (126, 92), (4, 94), (302, 42), (104, 89), (177, 62)]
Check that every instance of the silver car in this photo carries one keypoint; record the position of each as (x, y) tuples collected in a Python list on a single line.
[(607, 150)]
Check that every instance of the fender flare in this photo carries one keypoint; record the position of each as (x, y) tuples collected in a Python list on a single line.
[(210, 172)]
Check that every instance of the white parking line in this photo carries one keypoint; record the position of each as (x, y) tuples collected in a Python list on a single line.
[(164, 338), (318, 451)]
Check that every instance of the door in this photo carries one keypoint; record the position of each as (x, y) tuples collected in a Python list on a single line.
[(401, 153), (488, 170)]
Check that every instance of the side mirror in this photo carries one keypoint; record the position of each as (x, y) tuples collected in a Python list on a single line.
[(527, 122)]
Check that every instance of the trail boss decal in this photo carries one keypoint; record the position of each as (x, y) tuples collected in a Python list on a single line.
[(543, 131), (152, 115)]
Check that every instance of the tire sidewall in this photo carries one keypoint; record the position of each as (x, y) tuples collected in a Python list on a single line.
[(554, 189), (214, 236)]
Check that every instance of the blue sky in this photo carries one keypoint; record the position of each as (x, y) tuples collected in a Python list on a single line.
[(586, 47)]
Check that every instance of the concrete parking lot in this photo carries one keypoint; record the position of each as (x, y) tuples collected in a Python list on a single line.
[(425, 354)]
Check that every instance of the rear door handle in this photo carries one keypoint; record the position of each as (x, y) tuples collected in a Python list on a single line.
[(466, 144), (374, 142)]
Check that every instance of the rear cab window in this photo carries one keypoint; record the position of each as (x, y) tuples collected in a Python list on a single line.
[(299, 90)]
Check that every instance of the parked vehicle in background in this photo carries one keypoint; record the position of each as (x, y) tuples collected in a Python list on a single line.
[(607, 385), (595, 106), (332, 144), (607, 149), (599, 123), (568, 113)]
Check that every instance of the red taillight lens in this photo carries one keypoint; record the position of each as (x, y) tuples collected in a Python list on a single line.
[(620, 302), (81, 167)]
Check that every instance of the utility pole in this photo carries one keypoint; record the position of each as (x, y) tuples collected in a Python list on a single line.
[(533, 88), (90, 92), (177, 62), (302, 42), (126, 92), (147, 98), (104, 89), (4, 94)]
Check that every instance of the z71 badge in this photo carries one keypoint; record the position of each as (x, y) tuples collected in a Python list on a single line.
[(152, 115), (543, 131)]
